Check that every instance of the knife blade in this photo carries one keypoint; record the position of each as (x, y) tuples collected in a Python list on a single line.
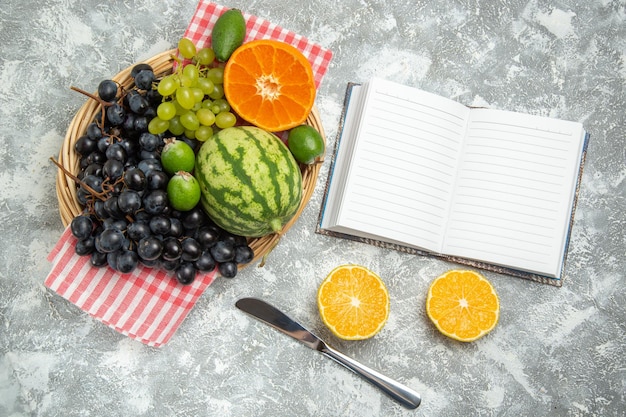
[(272, 316)]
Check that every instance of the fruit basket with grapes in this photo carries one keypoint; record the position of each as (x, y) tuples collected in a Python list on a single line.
[(138, 180)]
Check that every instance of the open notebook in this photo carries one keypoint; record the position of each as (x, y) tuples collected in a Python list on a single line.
[(421, 173)]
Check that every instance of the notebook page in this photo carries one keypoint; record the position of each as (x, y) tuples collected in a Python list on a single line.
[(515, 190), (404, 165)]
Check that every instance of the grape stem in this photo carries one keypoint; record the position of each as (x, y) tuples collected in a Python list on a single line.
[(98, 99), (78, 181), (103, 103), (100, 195)]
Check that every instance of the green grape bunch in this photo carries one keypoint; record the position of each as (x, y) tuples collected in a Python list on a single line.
[(193, 96)]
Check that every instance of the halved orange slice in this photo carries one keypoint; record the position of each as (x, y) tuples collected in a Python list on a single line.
[(270, 84), (353, 302), (463, 305)]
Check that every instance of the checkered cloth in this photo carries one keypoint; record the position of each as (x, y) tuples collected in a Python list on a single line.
[(199, 31), (149, 305)]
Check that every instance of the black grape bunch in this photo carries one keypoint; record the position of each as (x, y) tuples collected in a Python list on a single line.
[(127, 219)]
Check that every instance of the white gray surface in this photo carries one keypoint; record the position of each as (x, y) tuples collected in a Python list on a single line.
[(556, 351)]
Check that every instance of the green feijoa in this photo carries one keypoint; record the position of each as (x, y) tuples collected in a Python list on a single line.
[(228, 34), (183, 191), (177, 156)]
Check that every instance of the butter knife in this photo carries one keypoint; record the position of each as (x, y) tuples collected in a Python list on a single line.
[(271, 315)]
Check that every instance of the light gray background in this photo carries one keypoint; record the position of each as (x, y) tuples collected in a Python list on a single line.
[(556, 351)]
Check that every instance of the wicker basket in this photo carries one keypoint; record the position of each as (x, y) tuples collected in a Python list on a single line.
[(69, 206)]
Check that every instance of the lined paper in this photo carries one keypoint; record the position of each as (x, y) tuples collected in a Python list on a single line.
[(404, 166), (418, 170), (514, 190)]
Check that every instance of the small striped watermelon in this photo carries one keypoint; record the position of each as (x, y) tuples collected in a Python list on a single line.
[(250, 183)]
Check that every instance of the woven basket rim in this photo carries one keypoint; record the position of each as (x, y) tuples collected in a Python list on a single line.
[(162, 63)]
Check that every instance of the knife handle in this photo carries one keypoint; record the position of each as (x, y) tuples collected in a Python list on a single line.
[(399, 392)]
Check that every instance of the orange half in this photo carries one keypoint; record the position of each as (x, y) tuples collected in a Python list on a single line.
[(463, 305), (270, 84), (353, 302)]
